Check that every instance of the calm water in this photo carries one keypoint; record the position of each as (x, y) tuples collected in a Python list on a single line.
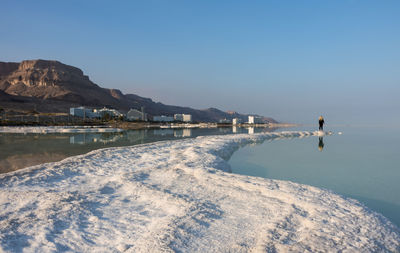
[(23, 150), (362, 163)]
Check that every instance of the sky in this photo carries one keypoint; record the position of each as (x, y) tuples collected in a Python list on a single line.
[(290, 60)]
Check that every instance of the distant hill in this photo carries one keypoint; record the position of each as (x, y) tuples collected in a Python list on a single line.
[(51, 86)]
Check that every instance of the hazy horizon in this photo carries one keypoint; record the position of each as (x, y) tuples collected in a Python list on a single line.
[(292, 61)]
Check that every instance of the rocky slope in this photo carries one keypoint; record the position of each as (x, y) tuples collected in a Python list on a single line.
[(51, 86)]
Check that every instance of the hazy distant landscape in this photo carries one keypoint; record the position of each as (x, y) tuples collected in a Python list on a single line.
[(53, 87), (199, 126)]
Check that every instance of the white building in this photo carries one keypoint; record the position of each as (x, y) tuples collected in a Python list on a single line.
[(183, 117), (255, 120), (134, 114), (236, 121), (107, 111), (224, 121), (83, 112), (187, 117), (163, 118)]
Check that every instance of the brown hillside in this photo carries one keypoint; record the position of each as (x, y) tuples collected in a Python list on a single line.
[(51, 86)]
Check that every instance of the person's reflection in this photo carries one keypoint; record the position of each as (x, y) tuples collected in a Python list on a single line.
[(321, 143)]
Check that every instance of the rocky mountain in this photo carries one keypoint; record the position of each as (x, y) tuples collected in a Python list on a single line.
[(51, 86)]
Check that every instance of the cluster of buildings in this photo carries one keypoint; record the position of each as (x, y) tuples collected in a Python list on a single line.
[(255, 120), (131, 115), (135, 115), (177, 117), (251, 120), (84, 112)]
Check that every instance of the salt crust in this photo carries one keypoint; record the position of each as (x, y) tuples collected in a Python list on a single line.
[(179, 196), (58, 129)]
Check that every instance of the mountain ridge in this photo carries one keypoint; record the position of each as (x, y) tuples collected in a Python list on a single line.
[(52, 86)]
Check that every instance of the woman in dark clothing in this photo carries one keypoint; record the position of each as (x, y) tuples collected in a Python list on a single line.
[(321, 123)]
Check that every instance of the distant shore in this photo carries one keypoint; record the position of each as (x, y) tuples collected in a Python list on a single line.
[(146, 125), (51, 120)]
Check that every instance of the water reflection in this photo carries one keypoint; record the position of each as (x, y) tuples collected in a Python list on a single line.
[(186, 132), (320, 143), (95, 137), (251, 130), (164, 132), (23, 150)]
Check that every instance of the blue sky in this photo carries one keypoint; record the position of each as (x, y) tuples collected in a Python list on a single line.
[(292, 60)]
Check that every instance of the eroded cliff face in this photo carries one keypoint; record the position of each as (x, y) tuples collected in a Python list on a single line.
[(51, 79), (47, 73)]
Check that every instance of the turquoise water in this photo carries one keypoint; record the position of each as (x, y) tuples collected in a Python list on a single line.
[(363, 163)]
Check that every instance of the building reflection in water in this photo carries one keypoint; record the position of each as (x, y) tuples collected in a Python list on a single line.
[(130, 136), (185, 132), (86, 138), (251, 130), (163, 132), (19, 151), (224, 130)]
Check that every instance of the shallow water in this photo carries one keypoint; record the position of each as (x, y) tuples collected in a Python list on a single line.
[(18, 151), (363, 163)]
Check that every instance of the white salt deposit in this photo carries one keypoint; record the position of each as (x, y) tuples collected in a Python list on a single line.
[(58, 129), (178, 196), (322, 133)]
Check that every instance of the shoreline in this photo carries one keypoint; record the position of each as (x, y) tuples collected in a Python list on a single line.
[(177, 195), (150, 125), (74, 140), (145, 125)]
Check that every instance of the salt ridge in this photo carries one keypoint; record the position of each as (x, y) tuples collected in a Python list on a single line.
[(179, 196), (58, 129)]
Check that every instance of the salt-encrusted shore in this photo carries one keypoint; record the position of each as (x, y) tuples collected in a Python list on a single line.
[(179, 196), (57, 129)]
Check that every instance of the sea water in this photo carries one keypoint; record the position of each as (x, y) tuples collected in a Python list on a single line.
[(357, 162), (361, 163), (21, 150)]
